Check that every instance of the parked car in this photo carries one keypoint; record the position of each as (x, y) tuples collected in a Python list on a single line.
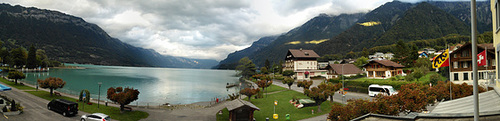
[(95, 117), (376, 89), (66, 107)]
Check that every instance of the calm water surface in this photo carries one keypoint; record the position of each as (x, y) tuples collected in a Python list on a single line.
[(156, 85)]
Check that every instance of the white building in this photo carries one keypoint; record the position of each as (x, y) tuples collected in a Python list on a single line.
[(303, 63)]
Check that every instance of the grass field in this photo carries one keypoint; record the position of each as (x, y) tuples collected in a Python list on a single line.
[(266, 106), (274, 88), (17, 86)]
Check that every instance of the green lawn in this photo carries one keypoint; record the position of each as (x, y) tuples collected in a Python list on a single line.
[(113, 112), (266, 106), (274, 88), (224, 116), (17, 86)]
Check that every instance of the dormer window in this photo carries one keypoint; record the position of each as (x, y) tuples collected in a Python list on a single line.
[(306, 53)]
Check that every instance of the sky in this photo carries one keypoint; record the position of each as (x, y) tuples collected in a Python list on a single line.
[(199, 29)]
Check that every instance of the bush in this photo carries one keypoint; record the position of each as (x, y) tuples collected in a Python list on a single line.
[(435, 78), (288, 73), (410, 77), (279, 77)]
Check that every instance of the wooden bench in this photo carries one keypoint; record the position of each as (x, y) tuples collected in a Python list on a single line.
[(127, 108), (57, 93)]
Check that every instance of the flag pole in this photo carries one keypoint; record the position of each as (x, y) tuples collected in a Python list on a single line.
[(474, 59), (449, 68)]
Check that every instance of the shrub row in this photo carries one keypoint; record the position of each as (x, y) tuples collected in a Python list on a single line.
[(364, 82)]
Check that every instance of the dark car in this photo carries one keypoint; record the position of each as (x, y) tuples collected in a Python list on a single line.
[(66, 107)]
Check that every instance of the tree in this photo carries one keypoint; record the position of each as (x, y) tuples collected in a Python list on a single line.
[(16, 75), (5, 55), (361, 61), (288, 81), (305, 84), (122, 96), (418, 73), (31, 61), (365, 52), (351, 54), (267, 64), (264, 70), (249, 92), (280, 66), (246, 67), (319, 94), (264, 82), (42, 58), (52, 83), (333, 88), (19, 57), (423, 63), (288, 73)]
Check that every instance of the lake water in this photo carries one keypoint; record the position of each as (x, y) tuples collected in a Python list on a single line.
[(156, 85)]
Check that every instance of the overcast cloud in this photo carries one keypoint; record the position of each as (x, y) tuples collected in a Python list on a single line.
[(201, 29)]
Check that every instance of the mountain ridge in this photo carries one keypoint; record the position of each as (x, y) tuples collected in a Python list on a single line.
[(71, 39), (382, 20)]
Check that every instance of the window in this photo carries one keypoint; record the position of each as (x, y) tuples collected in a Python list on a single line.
[(465, 65), (466, 76), (497, 8), (465, 53), (481, 75), (455, 64), (455, 76), (493, 62)]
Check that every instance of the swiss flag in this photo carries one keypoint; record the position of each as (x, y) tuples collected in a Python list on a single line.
[(481, 58)]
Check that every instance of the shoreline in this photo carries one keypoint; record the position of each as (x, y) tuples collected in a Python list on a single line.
[(69, 67), (194, 105)]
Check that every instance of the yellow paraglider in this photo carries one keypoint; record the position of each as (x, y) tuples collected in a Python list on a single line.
[(370, 23)]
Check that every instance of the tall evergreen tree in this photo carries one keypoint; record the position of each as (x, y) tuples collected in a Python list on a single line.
[(365, 52), (18, 57), (31, 61), (246, 67), (267, 64)]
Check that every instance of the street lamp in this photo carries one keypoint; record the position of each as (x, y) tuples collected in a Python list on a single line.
[(343, 94), (99, 96)]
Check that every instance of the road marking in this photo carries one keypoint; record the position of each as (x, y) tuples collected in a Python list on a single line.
[(5, 116)]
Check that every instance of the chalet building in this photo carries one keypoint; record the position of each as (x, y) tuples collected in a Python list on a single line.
[(303, 63), (335, 70), (461, 64), (383, 69)]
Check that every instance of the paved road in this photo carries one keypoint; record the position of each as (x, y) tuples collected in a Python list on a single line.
[(337, 97), (35, 108)]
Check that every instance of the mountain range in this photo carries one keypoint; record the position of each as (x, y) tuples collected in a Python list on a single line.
[(384, 25), (71, 39)]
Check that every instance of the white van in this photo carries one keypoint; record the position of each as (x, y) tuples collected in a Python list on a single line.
[(376, 89)]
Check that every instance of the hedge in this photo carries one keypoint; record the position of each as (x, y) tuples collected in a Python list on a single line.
[(365, 82)]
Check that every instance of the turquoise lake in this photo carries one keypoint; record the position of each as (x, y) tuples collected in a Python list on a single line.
[(156, 85)]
